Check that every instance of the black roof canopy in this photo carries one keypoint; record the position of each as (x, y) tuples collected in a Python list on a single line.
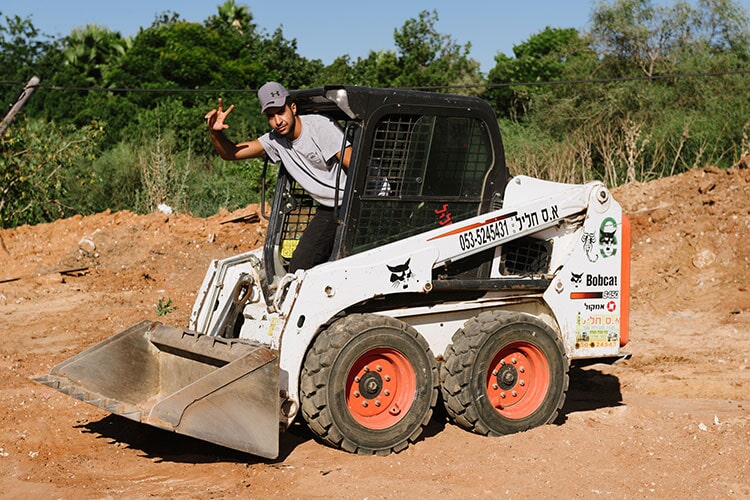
[(354, 102)]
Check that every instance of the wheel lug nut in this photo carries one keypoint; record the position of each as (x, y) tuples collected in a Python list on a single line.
[(387, 392), (494, 372), (356, 394), (494, 386), (377, 403), (357, 379), (502, 395), (366, 369), (521, 369), (521, 383), (514, 360), (379, 368), (364, 404), (514, 394), (387, 378)]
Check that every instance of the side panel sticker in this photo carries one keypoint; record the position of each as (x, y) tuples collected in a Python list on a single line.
[(597, 330)]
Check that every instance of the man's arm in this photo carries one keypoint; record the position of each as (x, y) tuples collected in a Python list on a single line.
[(227, 149), (347, 156), (329, 137)]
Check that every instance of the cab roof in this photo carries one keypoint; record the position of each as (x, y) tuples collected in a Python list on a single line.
[(355, 102)]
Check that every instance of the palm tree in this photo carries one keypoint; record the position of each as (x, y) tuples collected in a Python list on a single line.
[(93, 50), (238, 17)]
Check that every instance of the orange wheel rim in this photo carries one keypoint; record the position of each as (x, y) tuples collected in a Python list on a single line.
[(518, 380), (380, 388)]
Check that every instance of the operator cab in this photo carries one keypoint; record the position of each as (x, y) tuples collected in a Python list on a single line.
[(419, 161)]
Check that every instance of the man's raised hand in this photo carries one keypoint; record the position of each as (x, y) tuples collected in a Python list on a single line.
[(216, 117)]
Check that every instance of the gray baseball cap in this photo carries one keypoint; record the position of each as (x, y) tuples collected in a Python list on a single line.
[(272, 95)]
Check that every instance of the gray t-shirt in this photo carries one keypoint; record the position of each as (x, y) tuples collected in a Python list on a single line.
[(311, 158)]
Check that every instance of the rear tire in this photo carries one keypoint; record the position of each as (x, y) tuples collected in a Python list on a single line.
[(369, 385), (504, 372)]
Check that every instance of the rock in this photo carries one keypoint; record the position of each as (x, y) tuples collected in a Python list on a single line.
[(660, 214), (49, 279), (743, 163), (706, 186), (87, 246), (704, 258)]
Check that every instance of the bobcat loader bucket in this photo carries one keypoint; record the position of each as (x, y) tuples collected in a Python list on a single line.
[(215, 389)]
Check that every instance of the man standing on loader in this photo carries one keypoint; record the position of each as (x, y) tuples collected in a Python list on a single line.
[(309, 146)]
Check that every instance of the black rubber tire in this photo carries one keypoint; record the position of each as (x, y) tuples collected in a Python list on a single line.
[(531, 395), (327, 384)]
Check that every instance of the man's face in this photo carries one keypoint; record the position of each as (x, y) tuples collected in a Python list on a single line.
[(281, 119)]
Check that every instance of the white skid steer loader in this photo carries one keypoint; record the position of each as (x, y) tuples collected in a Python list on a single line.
[(447, 277)]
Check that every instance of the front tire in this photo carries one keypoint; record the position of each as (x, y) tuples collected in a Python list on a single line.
[(504, 372), (369, 384)]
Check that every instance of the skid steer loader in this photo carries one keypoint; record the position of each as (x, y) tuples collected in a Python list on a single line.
[(447, 277)]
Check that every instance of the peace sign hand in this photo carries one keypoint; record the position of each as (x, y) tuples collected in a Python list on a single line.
[(216, 117)]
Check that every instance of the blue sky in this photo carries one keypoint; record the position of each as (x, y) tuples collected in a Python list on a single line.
[(326, 29)]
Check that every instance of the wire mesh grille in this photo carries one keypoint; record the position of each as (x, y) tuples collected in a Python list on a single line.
[(526, 256), (423, 172), (296, 221)]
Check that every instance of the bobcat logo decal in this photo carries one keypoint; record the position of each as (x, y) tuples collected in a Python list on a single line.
[(400, 275), (576, 278)]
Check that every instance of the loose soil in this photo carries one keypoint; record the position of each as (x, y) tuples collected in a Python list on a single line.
[(673, 421)]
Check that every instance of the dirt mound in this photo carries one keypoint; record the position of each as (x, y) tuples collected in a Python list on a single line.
[(671, 420), (689, 244)]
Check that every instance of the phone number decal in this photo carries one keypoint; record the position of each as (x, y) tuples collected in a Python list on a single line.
[(480, 234), (483, 235)]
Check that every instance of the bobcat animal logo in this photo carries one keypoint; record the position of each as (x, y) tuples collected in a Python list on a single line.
[(400, 274), (576, 278)]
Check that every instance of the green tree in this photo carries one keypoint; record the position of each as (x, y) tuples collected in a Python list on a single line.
[(431, 59), (722, 25), (648, 124), (638, 35), (340, 71), (424, 58), (176, 54), (22, 48), (379, 69), (279, 57), (179, 54), (92, 51), (232, 16), (544, 57)]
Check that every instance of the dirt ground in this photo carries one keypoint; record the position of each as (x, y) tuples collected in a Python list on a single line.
[(674, 421)]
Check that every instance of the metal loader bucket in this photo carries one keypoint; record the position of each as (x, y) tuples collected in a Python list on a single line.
[(215, 389)]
